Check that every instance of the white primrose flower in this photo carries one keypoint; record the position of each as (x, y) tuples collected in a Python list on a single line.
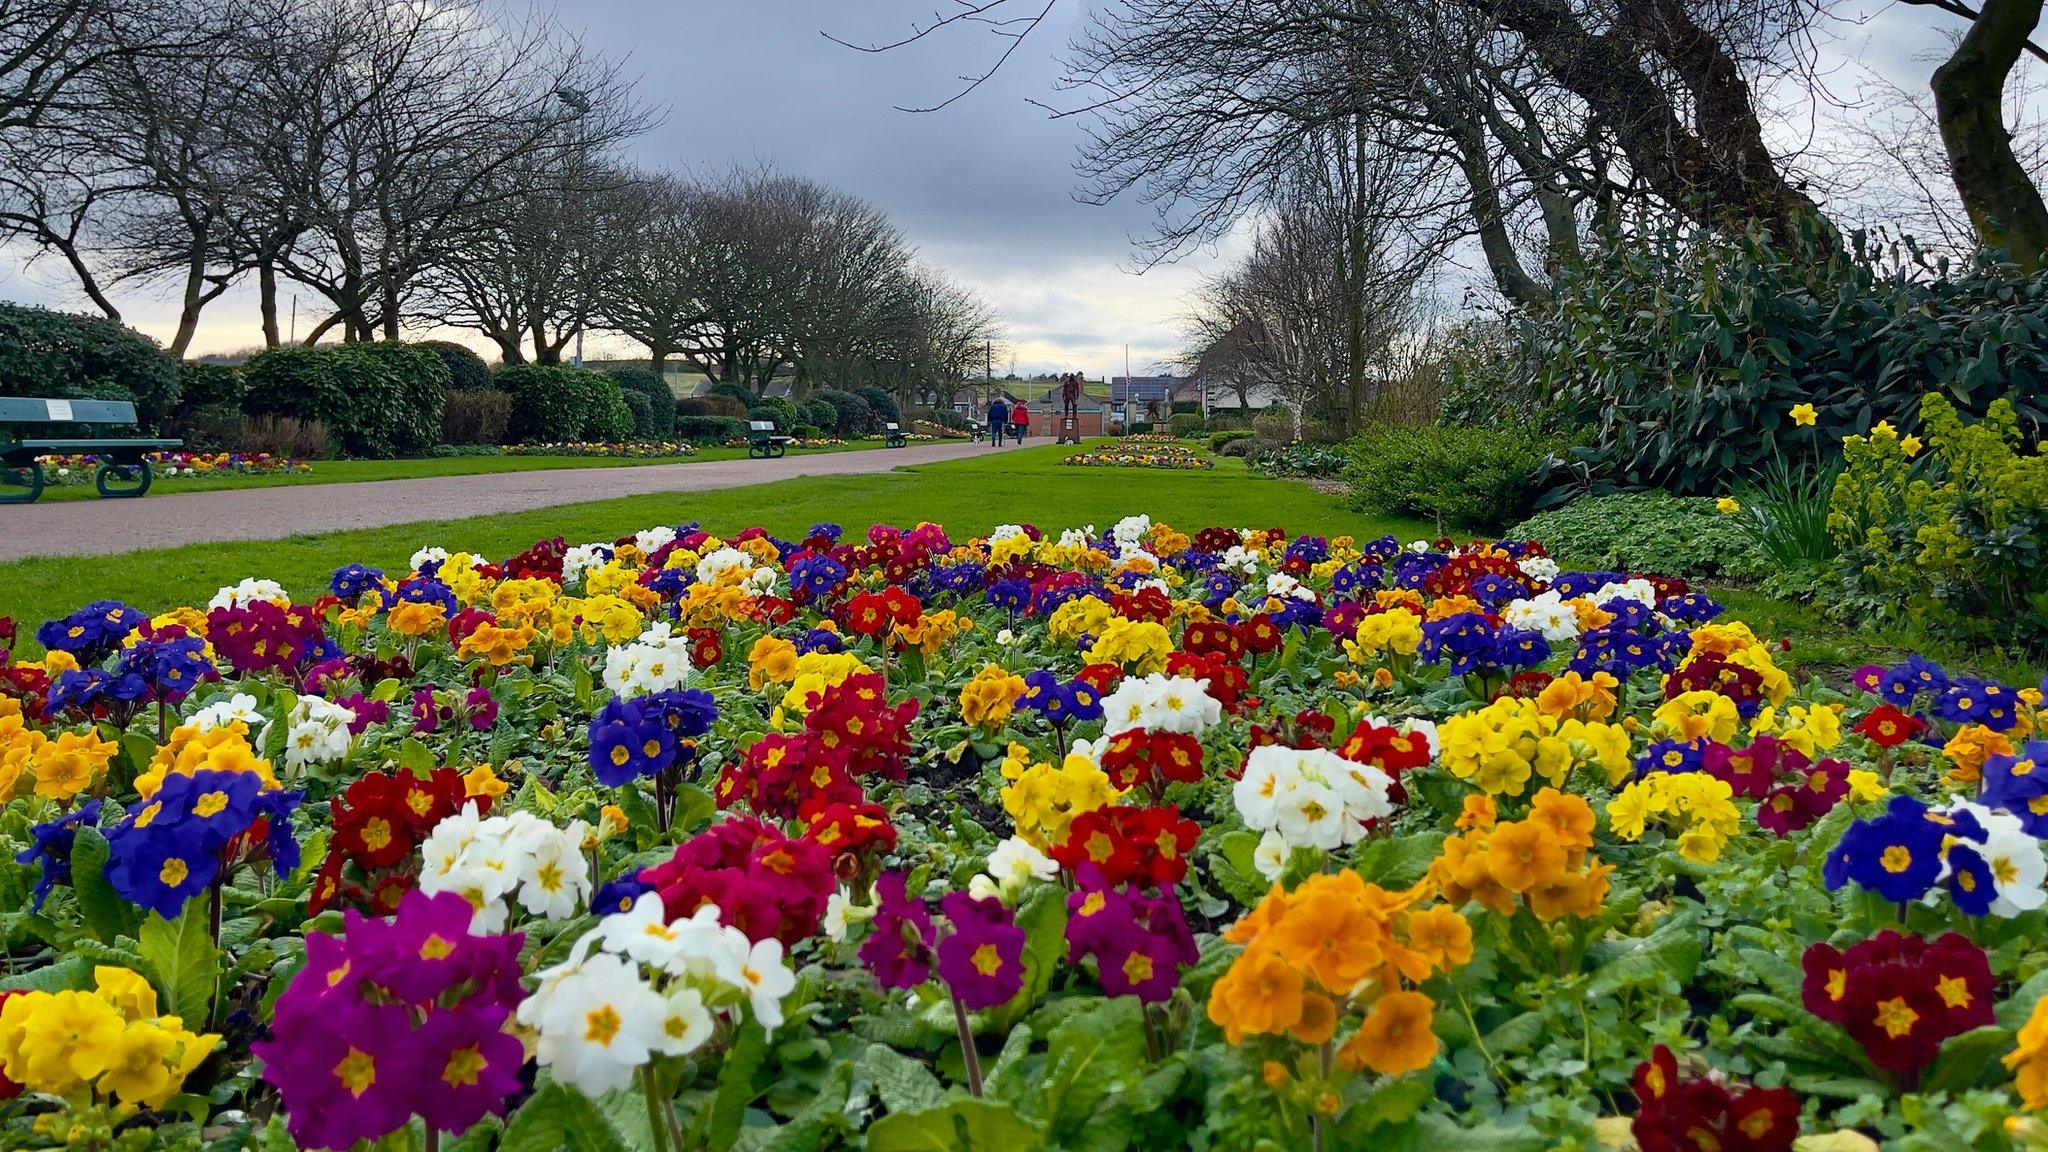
[(317, 732), (248, 592), (583, 559), (1270, 857), (1161, 704), (1544, 613), (221, 713), (1012, 868), (763, 977), (519, 856), (1638, 590), (652, 540), (1541, 569), (1312, 797), (685, 1024), (721, 561), (1284, 587), (599, 1021), (426, 556)]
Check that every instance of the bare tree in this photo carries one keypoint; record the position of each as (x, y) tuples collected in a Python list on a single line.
[(653, 294), (443, 105)]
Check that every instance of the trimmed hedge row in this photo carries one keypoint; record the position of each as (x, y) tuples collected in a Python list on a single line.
[(379, 400)]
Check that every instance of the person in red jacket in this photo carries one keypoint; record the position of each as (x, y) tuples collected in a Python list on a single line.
[(1020, 421)]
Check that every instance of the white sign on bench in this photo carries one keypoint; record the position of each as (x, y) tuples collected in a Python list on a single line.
[(60, 410)]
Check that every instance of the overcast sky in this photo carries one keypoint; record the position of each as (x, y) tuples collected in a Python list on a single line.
[(983, 188)]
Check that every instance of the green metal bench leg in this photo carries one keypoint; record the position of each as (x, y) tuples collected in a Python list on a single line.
[(136, 477), (30, 477)]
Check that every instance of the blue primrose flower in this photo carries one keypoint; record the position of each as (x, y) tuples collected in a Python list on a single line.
[(2018, 783), (1572, 585), (1915, 675), (351, 581), (161, 866), (1897, 855), (1969, 882), (618, 895), (170, 848), (1691, 608), (626, 743), (1673, 756), (50, 847)]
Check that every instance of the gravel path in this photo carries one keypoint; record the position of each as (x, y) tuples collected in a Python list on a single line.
[(107, 527)]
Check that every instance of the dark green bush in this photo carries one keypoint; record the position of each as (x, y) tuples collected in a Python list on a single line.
[(711, 406), (881, 403), (1275, 425), (1218, 439), (1185, 424), (1185, 407), (1686, 355), (809, 432), (203, 385), (208, 427), (734, 390), (1240, 447), (711, 430), (641, 412), (376, 400), (420, 377), (781, 412), (660, 420), (1140, 427), (63, 356), (475, 416), (553, 403), (816, 411), (851, 414), (467, 371), (1647, 532), (1475, 478)]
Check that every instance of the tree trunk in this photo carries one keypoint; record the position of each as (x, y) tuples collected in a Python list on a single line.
[(266, 302), (1718, 171), (190, 304), (1490, 220), (1969, 98)]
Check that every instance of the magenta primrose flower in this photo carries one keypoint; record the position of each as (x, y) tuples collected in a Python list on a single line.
[(982, 959), (1139, 942), (899, 949), (397, 1018)]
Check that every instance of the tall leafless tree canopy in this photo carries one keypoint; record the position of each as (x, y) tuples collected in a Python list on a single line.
[(414, 166), (1523, 131)]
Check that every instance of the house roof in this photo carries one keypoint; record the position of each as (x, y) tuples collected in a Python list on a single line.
[(1142, 389)]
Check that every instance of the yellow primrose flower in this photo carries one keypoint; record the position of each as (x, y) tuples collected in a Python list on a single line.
[(1804, 415)]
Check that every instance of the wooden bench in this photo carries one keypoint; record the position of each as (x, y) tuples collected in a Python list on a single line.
[(124, 469), (764, 442), (892, 437)]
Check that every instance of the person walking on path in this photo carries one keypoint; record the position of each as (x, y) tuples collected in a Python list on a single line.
[(1020, 422), (998, 420)]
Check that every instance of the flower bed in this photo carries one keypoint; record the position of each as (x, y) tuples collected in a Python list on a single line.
[(632, 450), (66, 470), (1124, 839), (1144, 452)]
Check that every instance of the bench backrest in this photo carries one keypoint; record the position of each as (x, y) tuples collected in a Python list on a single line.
[(761, 425), (891, 428), (18, 410)]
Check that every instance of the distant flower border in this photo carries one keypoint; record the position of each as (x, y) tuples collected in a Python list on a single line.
[(661, 450)]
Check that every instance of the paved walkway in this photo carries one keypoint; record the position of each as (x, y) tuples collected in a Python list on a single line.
[(107, 527)]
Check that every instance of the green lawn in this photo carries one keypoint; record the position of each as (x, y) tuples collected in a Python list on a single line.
[(350, 471), (967, 496)]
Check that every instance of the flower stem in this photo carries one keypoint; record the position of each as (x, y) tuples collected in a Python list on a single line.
[(656, 1122), (968, 1056)]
